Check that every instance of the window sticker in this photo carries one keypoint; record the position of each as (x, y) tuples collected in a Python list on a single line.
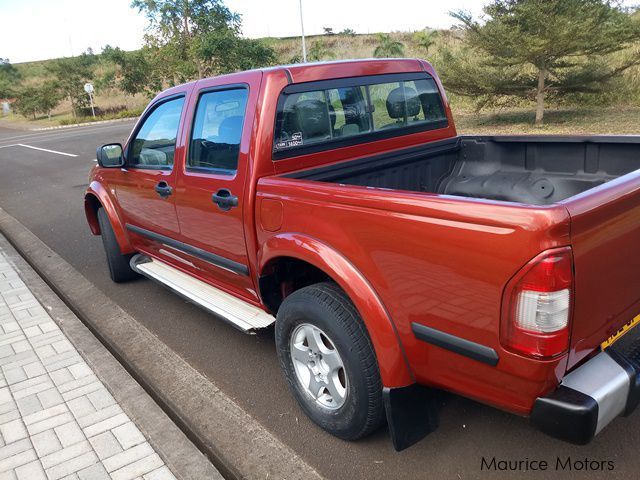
[(294, 141)]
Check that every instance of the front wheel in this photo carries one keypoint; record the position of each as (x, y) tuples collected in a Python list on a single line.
[(329, 362), (119, 268)]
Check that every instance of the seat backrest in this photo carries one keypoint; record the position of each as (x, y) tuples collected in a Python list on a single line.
[(349, 129), (403, 101), (313, 119), (230, 130)]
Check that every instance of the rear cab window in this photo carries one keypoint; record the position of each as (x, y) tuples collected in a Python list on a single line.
[(328, 114)]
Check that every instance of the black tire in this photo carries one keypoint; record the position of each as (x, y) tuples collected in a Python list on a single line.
[(326, 306), (119, 268)]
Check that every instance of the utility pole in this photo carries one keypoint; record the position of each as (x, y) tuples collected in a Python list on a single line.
[(304, 46)]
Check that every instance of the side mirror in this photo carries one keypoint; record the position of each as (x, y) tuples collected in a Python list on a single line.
[(110, 156)]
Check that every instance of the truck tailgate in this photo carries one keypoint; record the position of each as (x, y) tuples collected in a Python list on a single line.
[(605, 235)]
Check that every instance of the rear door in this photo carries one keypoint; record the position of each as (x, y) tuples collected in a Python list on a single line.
[(146, 187), (210, 198)]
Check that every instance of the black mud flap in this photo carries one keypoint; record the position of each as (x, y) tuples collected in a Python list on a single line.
[(411, 414)]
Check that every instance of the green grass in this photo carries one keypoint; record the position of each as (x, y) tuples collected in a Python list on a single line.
[(65, 119), (620, 121), (345, 46), (114, 116)]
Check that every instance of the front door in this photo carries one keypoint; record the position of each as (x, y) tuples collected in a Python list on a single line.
[(211, 187), (146, 187)]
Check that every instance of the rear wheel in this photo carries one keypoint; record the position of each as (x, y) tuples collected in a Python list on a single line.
[(329, 362), (119, 268)]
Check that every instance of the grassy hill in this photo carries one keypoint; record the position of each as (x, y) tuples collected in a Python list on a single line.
[(615, 112)]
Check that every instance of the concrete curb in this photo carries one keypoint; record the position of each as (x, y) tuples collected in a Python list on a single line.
[(84, 124), (178, 453), (236, 443)]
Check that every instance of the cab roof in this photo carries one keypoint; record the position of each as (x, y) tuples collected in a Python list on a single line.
[(309, 72)]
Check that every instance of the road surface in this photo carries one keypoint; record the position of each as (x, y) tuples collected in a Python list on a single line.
[(42, 180)]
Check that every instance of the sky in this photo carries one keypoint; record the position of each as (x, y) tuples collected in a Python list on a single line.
[(42, 29)]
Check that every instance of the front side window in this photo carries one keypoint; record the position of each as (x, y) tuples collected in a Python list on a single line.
[(217, 130), (155, 143), (329, 117)]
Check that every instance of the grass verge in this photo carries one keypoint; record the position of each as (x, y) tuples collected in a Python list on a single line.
[(604, 121)]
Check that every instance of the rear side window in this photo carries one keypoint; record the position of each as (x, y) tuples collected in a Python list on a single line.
[(349, 113), (217, 130)]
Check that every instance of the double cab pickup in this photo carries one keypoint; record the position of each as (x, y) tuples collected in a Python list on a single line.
[(395, 257)]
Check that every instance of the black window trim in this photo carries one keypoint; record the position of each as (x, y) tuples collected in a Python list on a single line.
[(355, 139), (148, 113), (210, 170)]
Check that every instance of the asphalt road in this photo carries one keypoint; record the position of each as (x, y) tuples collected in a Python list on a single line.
[(44, 191)]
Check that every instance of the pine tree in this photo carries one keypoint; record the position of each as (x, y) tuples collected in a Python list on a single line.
[(531, 48)]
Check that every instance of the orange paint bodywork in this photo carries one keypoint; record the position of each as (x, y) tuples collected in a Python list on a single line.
[(402, 257), (605, 229), (97, 192), (415, 252)]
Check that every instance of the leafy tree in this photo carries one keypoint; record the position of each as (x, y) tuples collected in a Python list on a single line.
[(71, 73), (26, 103), (107, 79), (136, 72), (9, 78), (531, 48), (319, 51), (175, 27), (32, 100), (387, 47), (254, 53), (225, 52), (328, 30), (425, 39), (48, 97), (187, 19)]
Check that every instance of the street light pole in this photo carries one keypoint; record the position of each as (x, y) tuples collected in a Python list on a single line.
[(304, 46)]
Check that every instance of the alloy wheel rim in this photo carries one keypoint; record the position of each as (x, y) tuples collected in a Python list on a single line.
[(318, 366)]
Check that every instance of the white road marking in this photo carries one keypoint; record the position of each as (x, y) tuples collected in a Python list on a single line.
[(12, 145), (70, 132), (47, 150)]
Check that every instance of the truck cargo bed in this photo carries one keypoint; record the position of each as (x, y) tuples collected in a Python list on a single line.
[(536, 170)]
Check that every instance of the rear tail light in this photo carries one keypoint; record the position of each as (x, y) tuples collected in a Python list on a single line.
[(537, 306)]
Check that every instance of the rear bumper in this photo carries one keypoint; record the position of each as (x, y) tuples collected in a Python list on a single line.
[(591, 396)]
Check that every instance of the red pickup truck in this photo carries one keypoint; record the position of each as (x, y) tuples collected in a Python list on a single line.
[(395, 257)]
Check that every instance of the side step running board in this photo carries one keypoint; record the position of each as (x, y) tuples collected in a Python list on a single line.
[(239, 313)]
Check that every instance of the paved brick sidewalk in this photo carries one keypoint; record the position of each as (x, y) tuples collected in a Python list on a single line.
[(57, 419)]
